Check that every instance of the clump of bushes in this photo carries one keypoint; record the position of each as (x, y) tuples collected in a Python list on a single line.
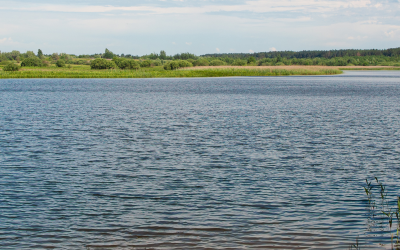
[(123, 63), (45, 63), (177, 64), (11, 67), (32, 62), (145, 64), (239, 62), (60, 63), (157, 62), (251, 60), (81, 62), (101, 63), (201, 62), (217, 62)]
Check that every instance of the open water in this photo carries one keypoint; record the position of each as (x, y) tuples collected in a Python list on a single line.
[(203, 163)]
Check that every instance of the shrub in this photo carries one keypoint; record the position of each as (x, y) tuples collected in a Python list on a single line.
[(171, 65), (251, 59), (239, 62), (60, 63), (201, 62), (177, 64), (101, 63), (280, 64), (145, 64), (184, 64), (124, 63), (45, 63), (128, 64), (31, 62), (11, 67), (55, 56), (217, 62), (157, 62)]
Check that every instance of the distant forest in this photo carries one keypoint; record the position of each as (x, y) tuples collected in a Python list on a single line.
[(312, 53)]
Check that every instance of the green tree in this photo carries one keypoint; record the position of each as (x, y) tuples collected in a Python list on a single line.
[(65, 56), (55, 56), (29, 54), (40, 54), (163, 55), (108, 54), (251, 59), (15, 54), (60, 63)]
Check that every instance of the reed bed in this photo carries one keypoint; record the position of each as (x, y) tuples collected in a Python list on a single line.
[(160, 73)]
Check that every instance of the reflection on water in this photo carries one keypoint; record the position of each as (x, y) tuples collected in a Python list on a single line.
[(227, 163)]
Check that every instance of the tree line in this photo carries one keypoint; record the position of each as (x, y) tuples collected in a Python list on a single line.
[(312, 53), (110, 60)]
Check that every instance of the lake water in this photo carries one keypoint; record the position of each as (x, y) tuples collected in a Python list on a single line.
[(203, 163)]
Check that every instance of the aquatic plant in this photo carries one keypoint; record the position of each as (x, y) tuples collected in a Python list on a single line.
[(385, 213)]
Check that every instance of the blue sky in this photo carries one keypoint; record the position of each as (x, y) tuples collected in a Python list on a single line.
[(206, 26)]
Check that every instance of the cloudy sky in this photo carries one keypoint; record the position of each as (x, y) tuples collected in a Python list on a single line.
[(205, 26)]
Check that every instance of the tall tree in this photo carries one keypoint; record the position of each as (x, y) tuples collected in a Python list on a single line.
[(40, 54), (163, 55), (108, 54)]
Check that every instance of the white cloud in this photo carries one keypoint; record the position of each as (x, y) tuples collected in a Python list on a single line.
[(392, 33), (135, 29), (260, 6), (251, 51), (8, 41), (5, 40), (357, 37)]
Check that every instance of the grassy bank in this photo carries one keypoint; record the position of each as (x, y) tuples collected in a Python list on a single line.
[(83, 71)]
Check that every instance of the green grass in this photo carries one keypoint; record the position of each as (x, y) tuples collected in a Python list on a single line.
[(84, 71)]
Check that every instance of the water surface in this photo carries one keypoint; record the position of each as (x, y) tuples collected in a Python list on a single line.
[(201, 163)]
